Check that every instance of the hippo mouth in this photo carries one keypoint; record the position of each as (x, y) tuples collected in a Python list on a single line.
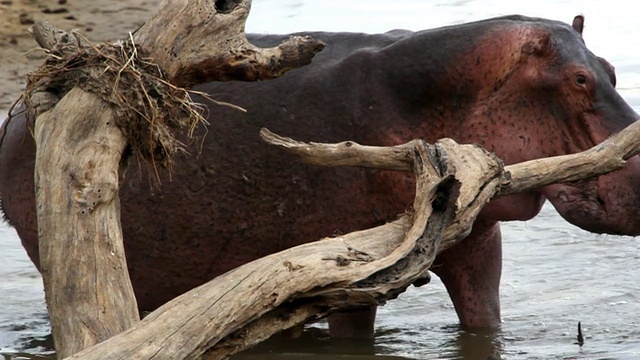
[(596, 206), (579, 203)]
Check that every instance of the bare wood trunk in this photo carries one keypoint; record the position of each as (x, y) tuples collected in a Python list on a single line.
[(259, 299), (201, 41), (80, 147), (87, 285), (610, 155)]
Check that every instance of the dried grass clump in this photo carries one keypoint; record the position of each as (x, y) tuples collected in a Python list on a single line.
[(146, 105)]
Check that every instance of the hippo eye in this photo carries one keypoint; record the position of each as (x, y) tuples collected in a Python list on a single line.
[(581, 79)]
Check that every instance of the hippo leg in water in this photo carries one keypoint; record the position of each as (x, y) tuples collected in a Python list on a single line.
[(523, 88)]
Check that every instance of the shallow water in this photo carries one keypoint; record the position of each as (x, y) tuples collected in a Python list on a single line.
[(554, 274)]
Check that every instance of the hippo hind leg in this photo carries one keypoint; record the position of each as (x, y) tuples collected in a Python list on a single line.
[(353, 324), (470, 271)]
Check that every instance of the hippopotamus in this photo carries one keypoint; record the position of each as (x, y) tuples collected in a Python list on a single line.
[(523, 88)]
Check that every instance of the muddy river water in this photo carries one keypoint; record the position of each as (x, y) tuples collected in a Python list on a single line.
[(554, 273)]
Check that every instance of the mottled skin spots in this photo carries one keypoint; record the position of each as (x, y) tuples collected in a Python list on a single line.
[(523, 88)]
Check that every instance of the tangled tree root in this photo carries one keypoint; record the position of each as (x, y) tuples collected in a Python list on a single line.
[(146, 105)]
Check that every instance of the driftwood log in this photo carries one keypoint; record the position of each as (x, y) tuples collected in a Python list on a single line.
[(608, 156), (80, 141), (255, 301), (259, 299)]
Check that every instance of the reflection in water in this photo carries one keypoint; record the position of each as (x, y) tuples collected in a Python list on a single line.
[(314, 340), (476, 345), (38, 348), (314, 343)]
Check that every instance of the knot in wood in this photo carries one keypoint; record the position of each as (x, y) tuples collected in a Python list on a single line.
[(88, 197)]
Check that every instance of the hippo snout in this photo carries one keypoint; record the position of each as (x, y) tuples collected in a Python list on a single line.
[(609, 204)]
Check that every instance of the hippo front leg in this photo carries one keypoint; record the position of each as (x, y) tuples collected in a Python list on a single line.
[(471, 272)]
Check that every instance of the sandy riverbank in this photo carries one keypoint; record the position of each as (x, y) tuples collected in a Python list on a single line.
[(98, 21)]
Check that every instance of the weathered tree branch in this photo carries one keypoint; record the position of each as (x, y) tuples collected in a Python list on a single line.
[(250, 303), (371, 266), (610, 155), (360, 268), (206, 42), (80, 145), (50, 38), (346, 153)]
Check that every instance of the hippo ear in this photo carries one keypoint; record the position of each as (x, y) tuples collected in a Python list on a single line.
[(540, 44), (578, 24)]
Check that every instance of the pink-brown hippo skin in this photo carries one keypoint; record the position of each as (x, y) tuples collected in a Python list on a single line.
[(523, 88)]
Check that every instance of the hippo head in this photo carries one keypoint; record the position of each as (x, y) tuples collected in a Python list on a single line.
[(571, 104), (609, 203), (538, 91)]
